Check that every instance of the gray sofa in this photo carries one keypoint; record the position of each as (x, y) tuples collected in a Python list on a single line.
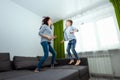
[(21, 68)]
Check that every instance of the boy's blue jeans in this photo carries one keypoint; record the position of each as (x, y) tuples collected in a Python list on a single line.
[(71, 46)]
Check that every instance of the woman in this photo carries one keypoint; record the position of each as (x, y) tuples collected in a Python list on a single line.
[(69, 36), (46, 37)]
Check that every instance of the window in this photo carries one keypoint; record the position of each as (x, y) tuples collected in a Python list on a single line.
[(107, 33), (87, 32), (96, 35)]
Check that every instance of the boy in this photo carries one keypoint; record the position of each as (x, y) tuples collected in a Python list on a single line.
[(69, 36)]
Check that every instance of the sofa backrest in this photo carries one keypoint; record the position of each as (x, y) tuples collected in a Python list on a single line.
[(21, 62), (5, 63), (84, 61), (47, 62), (65, 61)]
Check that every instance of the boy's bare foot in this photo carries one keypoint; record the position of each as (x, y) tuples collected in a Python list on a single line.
[(78, 62), (71, 61)]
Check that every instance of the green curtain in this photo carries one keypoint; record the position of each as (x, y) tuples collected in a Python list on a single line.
[(116, 4), (58, 31)]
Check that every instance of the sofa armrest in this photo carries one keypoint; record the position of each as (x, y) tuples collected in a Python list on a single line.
[(65, 61)]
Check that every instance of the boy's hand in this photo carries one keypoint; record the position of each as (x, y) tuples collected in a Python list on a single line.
[(72, 32), (62, 41)]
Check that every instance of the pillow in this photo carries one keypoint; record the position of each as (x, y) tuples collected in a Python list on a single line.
[(25, 62), (26, 65), (4, 57), (22, 58), (5, 63), (48, 61)]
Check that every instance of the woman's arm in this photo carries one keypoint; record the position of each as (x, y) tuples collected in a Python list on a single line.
[(46, 36), (41, 33)]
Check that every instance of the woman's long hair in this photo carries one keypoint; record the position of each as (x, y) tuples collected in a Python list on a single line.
[(45, 21)]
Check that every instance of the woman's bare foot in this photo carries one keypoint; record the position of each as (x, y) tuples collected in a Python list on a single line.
[(78, 62), (36, 70), (71, 61), (52, 66)]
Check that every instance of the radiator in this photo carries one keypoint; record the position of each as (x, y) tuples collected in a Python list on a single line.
[(99, 62)]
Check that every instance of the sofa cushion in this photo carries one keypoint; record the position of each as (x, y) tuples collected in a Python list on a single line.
[(14, 74), (47, 61), (52, 74), (25, 62), (82, 69), (5, 64)]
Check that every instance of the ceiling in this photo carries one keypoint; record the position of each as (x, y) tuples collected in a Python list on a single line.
[(59, 9)]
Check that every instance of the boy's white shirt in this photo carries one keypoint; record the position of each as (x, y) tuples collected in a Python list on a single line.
[(68, 34)]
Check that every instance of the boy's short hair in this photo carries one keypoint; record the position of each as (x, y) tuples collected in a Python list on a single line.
[(71, 22)]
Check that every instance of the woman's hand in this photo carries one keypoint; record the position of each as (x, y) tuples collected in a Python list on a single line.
[(62, 41), (54, 37), (51, 37)]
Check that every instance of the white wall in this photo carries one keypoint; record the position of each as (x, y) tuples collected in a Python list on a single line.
[(19, 30)]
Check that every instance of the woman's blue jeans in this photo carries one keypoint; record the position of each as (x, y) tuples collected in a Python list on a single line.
[(71, 46), (47, 48)]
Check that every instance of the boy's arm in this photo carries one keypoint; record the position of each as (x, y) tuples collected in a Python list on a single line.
[(74, 30)]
